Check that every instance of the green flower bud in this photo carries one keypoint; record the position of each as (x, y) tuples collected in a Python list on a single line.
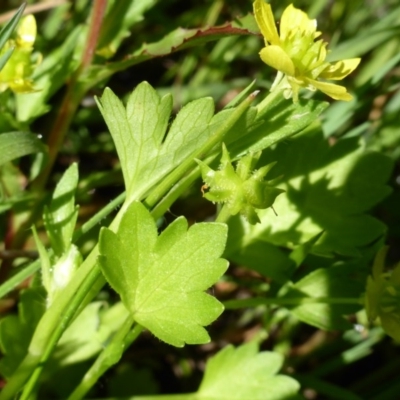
[(242, 190)]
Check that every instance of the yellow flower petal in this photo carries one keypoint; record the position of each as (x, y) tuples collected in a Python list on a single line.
[(294, 20), (265, 20), (275, 57), (26, 33), (335, 91), (340, 69), (296, 54), (22, 86)]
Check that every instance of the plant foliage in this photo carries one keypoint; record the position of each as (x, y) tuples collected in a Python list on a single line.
[(193, 206)]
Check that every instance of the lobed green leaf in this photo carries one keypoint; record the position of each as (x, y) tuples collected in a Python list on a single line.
[(161, 279), (139, 132), (245, 374)]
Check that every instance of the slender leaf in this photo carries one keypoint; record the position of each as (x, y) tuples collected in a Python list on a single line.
[(60, 217), (245, 374), (176, 40), (17, 144), (10, 26)]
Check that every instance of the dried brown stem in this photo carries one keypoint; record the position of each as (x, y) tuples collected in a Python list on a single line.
[(32, 9)]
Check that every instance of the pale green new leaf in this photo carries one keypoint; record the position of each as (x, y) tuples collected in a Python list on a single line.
[(161, 279), (245, 374), (60, 217)]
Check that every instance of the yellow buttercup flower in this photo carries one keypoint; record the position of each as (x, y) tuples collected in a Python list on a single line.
[(19, 68), (297, 56)]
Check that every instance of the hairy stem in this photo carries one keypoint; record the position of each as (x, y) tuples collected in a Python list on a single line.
[(107, 358)]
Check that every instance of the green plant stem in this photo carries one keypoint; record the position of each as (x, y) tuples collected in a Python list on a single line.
[(104, 212), (223, 215), (265, 105), (107, 358), (165, 186), (64, 322), (49, 330), (286, 301), (182, 185), (86, 283)]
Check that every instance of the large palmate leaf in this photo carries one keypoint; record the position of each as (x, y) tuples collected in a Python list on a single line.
[(161, 279), (327, 188)]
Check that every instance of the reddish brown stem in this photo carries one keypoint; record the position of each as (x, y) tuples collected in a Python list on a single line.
[(99, 9)]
